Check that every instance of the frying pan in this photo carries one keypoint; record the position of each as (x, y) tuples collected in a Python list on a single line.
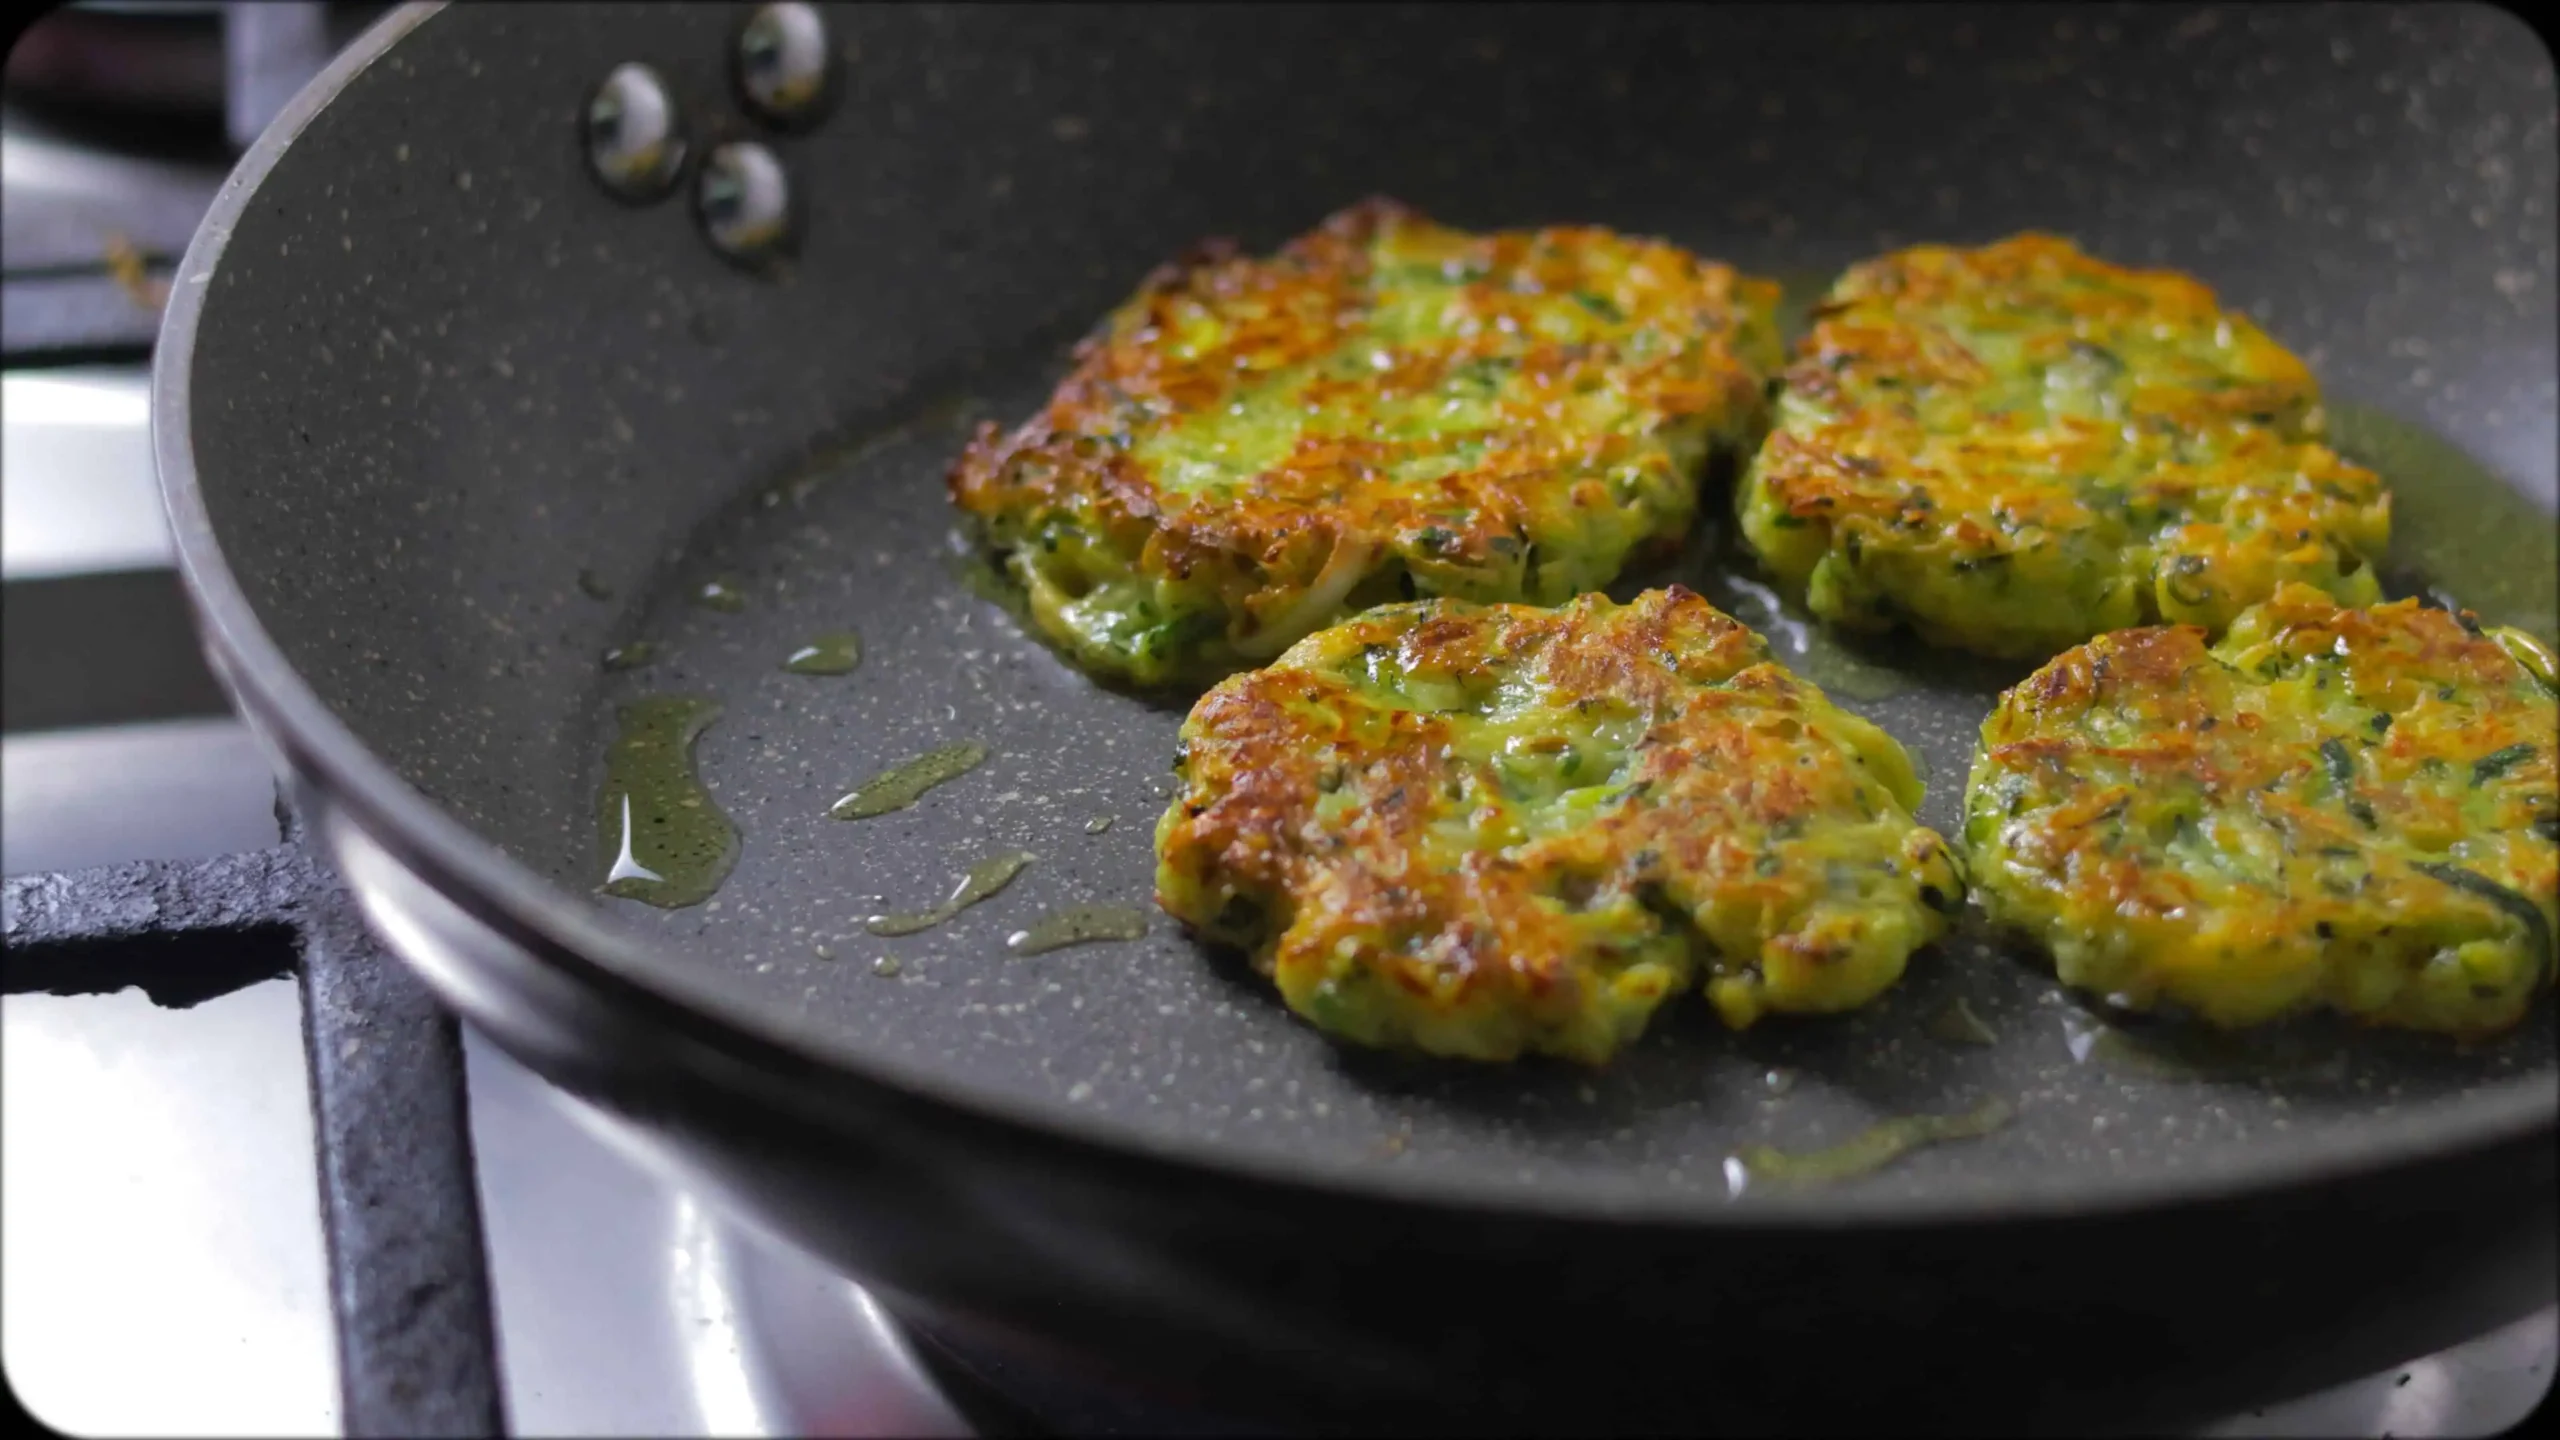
[(440, 420)]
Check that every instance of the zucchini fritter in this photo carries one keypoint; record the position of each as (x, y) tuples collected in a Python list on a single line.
[(1479, 830), (1250, 449), (2340, 807), (2014, 448)]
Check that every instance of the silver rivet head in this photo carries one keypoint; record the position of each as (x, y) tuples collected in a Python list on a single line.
[(744, 200), (635, 139), (785, 70)]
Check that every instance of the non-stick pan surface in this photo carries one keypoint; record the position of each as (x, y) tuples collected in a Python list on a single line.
[(459, 423)]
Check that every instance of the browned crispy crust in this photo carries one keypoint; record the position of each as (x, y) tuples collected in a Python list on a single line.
[(1482, 829), (2015, 447), (1542, 503), (2336, 806)]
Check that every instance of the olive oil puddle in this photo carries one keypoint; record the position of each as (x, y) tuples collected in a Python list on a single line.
[(1861, 1154), (1955, 1024), (722, 594), (2458, 532), (836, 652), (1078, 925), (904, 785), (983, 880), (631, 656), (670, 843)]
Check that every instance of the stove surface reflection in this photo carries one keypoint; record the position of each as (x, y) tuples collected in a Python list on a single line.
[(626, 1308)]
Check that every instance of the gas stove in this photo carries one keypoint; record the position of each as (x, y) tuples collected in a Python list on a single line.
[(239, 1140), (163, 1190)]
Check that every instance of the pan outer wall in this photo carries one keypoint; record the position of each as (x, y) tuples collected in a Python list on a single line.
[(1295, 1307)]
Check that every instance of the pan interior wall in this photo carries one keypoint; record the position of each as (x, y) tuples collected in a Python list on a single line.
[(464, 423)]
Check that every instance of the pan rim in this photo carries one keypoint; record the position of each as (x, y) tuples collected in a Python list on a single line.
[(559, 933)]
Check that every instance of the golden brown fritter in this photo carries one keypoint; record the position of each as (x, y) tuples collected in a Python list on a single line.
[(2340, 807), (1481, 830), (1252, 448), (2014, 448)]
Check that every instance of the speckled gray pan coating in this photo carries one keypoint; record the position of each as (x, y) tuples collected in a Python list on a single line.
[(441, 374)]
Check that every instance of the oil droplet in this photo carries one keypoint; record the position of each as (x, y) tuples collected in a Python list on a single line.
[(902, 786), (885, 965), (834, 653), (825, 954), (1864, 1153), (983, 880), (2456, 528), (1956, 1024), (722, 594), (593, 587), (1779, 1081), (980, 576), (631, 656), (1802, 644), (671, 845), (1078, 925), (1097, 824)]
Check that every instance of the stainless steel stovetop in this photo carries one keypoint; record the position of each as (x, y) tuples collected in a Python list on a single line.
[(160, 1192)]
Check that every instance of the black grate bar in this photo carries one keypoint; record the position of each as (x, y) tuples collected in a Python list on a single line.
[(108, 909), (399, 1203), (416, 1352)]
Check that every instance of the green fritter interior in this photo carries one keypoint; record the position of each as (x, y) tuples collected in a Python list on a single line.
[(1487, 830)]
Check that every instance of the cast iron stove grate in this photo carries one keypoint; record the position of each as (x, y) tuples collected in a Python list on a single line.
[(408, 1281), (399, 1202)]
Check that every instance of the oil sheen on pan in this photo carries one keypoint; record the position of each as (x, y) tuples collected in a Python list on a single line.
[(667, 840)]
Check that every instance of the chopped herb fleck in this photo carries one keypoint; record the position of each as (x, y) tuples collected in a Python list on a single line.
[(1601, 305), (2490, 766), (2537, 927)]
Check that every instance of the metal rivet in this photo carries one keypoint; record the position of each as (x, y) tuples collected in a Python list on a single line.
[(784, 68), (744, 200), (635, 137)]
